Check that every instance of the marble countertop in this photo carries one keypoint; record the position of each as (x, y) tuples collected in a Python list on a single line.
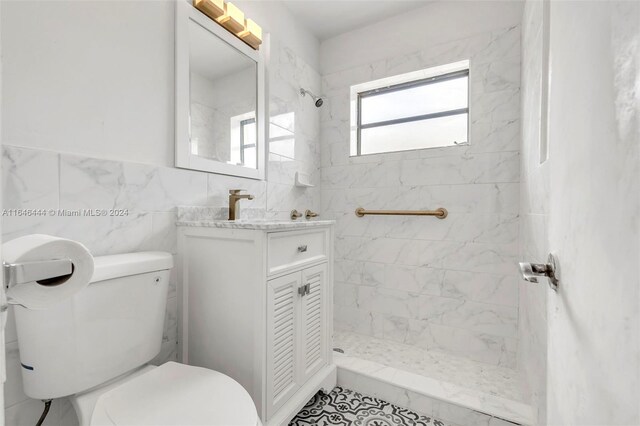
[(259, 224)]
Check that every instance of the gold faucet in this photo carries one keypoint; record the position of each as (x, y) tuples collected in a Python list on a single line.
[(234, 197)]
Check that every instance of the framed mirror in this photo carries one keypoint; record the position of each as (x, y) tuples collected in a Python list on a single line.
[(220, 99)]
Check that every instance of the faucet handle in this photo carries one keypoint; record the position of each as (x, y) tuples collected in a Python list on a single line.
[(295, 214), (308, 214), (235, 191)]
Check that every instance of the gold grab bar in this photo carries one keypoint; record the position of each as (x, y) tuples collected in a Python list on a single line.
[(440, 213)]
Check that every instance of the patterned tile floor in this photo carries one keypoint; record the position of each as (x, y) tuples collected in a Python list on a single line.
[(344, 407)]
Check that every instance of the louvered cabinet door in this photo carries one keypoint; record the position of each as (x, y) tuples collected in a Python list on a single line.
[(282, 332), (313, 329)]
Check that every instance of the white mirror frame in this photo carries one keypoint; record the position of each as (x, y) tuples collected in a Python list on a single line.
[(184, 159)]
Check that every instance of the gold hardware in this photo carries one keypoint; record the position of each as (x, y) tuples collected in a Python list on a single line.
[(308, 214), (212, 8), (234, 197), (252, 34), (440, 213), (295, 214), (233, 18)]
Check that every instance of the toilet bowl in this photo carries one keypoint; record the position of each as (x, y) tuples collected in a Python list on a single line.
[(95, 348), (171, 394)]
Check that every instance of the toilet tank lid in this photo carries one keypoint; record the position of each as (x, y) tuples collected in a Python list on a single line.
[(123, 265)]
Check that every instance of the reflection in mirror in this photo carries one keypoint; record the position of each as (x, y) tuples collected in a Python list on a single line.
[(282, 140), (223, 99)]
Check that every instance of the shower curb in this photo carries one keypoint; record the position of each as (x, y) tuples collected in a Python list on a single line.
[(427, 396)]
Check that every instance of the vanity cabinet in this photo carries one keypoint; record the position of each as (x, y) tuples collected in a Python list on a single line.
[(296, 325), (256, 304)]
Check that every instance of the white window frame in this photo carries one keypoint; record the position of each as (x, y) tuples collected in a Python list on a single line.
[(390, 83)]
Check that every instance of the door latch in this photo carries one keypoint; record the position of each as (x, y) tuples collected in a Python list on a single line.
[(531, 271)]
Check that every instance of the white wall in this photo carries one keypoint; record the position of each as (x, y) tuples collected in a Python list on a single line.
[(96, 78), (447, 285), (594, 148), (534, 216), (278, 20), (436, 23), (90, 78)]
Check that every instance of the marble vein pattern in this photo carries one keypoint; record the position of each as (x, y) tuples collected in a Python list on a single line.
[(445, 285), (265, 225), (455, 382)]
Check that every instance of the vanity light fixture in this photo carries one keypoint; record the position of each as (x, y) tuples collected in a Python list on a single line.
[(232, 18), (212, 8), (252, 34)]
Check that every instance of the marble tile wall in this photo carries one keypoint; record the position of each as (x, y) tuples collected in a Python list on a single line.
[(534, 206), (39, 179), (447, 285)]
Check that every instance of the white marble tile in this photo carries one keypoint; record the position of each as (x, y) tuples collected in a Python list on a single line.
[(478, 198), (463, 169), (495, 136), (458, 389), (481, 317), (345, 294), (414, 279), (29, 178), (348, 271), (503, 106), (494, 76), (498, 45), (13, 392), (472, 227), (101, 235), (218, 187), (389, 302), (481, 287), (66, 413), (485, 348), (10, 332), (90, 183), (163, 232), (156, 189), (27, 413)]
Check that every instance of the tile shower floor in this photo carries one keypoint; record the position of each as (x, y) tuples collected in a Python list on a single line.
[(344, 407), (499, 381)]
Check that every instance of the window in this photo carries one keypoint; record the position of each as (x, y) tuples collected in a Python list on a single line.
[(418, 110), (243, 140), (248, 141)]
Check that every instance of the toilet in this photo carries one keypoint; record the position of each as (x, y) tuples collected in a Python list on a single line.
[(95, 348)]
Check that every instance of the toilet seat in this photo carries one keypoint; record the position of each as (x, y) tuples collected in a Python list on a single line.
[(177, 394)]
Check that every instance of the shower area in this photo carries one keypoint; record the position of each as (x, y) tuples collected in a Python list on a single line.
[(426, 311)]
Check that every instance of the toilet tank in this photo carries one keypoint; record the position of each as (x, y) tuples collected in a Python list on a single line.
[(111, 327)]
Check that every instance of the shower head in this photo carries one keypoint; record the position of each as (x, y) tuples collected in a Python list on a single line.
[(318, 101)]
